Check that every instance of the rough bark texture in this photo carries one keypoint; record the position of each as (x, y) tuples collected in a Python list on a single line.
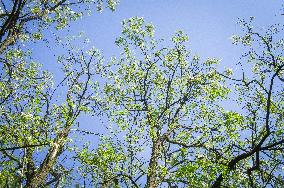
[(46, 167), (152, 177)]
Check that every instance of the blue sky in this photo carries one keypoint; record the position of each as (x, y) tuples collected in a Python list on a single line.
[(209, 24)]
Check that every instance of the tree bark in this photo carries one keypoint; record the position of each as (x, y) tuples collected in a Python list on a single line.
[(152, 177), (51, 158)]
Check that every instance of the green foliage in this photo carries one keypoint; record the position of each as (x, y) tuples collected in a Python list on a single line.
[(165, 112), (165, 108), (153, 93), (34, 16), (36, 118), (103, 162)]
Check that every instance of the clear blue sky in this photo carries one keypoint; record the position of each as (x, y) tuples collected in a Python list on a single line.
[(209, 24)]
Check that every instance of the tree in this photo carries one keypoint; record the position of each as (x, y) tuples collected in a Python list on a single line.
[(25, 19), (167, 126), (162, 103), (163, 106), (35, 121), (35, 126), (260, 156)]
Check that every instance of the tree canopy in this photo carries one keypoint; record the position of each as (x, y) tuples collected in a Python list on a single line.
[(164, 107)]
